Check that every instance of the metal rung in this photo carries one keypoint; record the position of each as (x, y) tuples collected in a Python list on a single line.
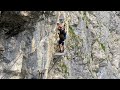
[(59, 54)]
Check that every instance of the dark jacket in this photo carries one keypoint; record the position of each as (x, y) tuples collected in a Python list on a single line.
[(62, 34)]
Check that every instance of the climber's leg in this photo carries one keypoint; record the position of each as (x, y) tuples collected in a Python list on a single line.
[(62, 50), (60, 45), (59, 48)]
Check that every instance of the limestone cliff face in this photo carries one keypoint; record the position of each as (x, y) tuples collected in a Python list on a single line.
[(92, 46), (27, 52)]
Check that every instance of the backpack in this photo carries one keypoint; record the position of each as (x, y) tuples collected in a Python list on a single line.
[(62, 35)]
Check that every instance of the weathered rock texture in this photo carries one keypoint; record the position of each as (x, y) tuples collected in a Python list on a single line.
[(27, 52), (92, 45)]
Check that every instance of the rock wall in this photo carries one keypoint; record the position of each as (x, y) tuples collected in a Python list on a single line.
[(26, 54), (92, 47)]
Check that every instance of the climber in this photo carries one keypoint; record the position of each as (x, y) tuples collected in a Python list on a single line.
[(64, 31), (62, 37), (59, 26)]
